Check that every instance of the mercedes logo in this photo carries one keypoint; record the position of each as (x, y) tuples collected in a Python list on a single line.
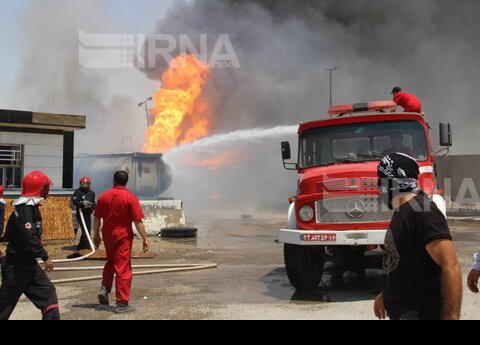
[(356, 209)]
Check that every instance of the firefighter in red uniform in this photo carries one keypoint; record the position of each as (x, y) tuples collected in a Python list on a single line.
[(21, 272), (119, 209), (410, 103)]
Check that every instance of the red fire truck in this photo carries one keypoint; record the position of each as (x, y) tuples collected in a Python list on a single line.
[(337, 215)]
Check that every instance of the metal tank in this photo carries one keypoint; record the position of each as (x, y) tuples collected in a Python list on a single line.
[(150, 176)]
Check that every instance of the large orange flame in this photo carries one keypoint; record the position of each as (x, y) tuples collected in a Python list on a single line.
[(181, 112)]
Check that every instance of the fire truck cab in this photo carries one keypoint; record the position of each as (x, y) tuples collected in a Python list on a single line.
[(337, 215)]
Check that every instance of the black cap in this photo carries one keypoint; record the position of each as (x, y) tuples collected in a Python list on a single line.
[(396, 89)]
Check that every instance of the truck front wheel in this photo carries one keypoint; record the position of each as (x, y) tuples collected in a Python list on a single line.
[(305, 266)]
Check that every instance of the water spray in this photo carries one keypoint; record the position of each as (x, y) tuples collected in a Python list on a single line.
[(216, 141)]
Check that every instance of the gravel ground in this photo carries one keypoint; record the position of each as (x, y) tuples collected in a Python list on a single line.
[(250, 282)]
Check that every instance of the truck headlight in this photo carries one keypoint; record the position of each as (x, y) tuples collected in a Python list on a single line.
[(306, 214)]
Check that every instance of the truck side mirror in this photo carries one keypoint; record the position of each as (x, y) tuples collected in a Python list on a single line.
[(286, 151), (287, 155), (446, 135)]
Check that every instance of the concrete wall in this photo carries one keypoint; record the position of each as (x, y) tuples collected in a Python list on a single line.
[(459, 176), (42, 152), (162, 214)]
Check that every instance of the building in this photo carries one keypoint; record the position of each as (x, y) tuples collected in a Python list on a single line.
[(32, 141), (459, 178), (36, 141)]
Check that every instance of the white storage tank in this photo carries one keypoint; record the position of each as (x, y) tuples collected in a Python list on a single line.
[(150, 176)]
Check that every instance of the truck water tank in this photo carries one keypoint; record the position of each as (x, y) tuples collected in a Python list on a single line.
[(150, 176)]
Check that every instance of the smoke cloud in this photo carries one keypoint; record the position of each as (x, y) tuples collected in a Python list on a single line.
[(51, 78), (429, 48), (253, 182)]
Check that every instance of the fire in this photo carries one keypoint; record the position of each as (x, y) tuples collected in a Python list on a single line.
[(213, 164), (181, 112)]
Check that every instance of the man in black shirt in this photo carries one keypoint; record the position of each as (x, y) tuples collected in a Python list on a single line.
[(422, 277), (84, 201), (21, 272)]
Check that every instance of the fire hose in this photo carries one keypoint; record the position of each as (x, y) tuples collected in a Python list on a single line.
[(174, 269), (83, 227), (158, 269)]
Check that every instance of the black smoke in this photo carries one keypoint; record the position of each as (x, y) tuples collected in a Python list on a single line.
[(428, 47)]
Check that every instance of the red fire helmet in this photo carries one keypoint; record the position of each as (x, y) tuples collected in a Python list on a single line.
[(36, 184), (85, 179)]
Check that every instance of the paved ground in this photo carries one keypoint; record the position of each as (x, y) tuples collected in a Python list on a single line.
[(250, 282)]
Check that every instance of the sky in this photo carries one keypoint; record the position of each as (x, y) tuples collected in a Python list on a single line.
[(41, 71), (9, 16), (123, 16)]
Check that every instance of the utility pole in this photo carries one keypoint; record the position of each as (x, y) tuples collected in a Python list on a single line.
[(145, 103), (331, 70)]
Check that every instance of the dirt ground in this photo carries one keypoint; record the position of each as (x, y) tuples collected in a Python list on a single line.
[(250, 282)]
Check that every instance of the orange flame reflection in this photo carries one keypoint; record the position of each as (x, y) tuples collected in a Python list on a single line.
[(226, 158)]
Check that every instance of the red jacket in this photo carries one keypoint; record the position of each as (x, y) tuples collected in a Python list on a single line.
[(410, 103), (118, 208)]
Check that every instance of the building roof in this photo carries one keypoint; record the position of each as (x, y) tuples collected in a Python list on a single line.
[(28, 119)]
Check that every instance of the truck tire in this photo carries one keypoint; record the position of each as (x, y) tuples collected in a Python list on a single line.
[(305, 266), (179, 233)]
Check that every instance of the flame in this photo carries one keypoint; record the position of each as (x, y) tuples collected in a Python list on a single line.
[(213, 164), (181, 112)]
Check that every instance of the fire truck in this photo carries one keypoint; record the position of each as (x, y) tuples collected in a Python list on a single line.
[(337, 215)]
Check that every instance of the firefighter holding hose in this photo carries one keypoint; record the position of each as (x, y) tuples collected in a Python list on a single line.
[(84, 201), (21, 272)]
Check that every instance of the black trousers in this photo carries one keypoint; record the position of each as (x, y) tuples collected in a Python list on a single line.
[(30, 280), (84, 244)]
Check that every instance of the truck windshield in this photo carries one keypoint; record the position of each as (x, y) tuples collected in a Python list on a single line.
[(363, 142)]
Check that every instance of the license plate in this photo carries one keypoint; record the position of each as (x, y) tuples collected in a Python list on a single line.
[(319, 238)]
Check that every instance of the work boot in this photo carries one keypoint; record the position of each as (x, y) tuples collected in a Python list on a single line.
[(83, 245), (124, 309), (103, 296), (75, 255)]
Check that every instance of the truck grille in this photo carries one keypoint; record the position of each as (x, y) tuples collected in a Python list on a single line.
[(369, 184), (367, 209), (334, 185)]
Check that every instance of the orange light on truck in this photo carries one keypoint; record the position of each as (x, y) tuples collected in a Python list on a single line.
[(380, 106)]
